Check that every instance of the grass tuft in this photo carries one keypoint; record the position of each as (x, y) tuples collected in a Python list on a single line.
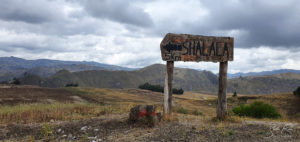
[(196, 112), (182, 110)]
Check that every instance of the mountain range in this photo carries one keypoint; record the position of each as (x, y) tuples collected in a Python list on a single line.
[(11, 67), (280, 71), (188, 79), (184, 78), (54, 73)]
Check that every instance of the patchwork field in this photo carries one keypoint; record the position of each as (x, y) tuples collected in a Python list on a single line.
[(29, 113)]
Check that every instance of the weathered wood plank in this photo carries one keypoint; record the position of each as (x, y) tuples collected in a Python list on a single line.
[(168, 89), (183, 47), (222, 100)]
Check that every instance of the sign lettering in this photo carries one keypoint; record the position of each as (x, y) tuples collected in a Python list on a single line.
[(183, 47)]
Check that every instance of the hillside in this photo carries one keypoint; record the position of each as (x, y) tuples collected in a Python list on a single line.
[(263, 73), (10, 63), (54, 73), (185, 78), (188, 79), (15, 67), (276, 83)]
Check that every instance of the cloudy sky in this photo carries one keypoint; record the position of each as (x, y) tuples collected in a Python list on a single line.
[(128, 32)]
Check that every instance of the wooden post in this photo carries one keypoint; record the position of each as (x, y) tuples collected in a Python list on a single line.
[(168, 89), (222, 100)]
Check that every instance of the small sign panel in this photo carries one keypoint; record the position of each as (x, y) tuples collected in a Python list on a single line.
[(196, 48)]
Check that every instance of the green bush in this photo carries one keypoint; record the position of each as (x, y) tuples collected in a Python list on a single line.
[(15, 81), (148, 86), (158, 88), (297, 92), (234, 94), (177, 91), (257, 109), (71, 85)]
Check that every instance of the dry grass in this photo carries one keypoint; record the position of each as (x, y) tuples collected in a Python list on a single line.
[(27, 94), (29, 113), (101, 102), (287, 105), (105, 101), (194, 116), (120, 96)]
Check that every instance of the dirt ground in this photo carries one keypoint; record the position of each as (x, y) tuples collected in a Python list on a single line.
[(116, 128), (182, 127)]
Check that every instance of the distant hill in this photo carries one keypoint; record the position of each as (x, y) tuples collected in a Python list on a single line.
[(15, 67), (54, 73), (188, 79), (185, 78), (236, 75), (269, 84)]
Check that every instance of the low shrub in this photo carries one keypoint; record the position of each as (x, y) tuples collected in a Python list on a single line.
[(234, 94), (15, 81), (148, 86), (71, 85), (177, 91), (297, 92), (257, 109), (158, 88)]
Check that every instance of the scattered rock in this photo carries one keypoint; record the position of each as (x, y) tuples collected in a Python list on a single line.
[(96, 130), (84, 128), (92, 138), (58, 130), (52, 120), (74, 137), (64, 136)]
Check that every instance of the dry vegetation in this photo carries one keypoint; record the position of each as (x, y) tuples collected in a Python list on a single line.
[(29, 113), (38, 113)]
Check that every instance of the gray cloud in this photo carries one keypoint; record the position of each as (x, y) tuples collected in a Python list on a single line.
[(30, 11), (268, 22), (253, 23), (119, 11), (129, 32)]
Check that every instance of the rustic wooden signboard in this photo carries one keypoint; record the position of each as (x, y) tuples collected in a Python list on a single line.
[(183, 47), (196, 48)]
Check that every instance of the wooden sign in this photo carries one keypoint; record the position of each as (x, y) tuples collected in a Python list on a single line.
[(196, 48), (183, 47)]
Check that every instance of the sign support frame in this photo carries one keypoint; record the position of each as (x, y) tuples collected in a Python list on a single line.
[(183, 47), (167, 111)]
